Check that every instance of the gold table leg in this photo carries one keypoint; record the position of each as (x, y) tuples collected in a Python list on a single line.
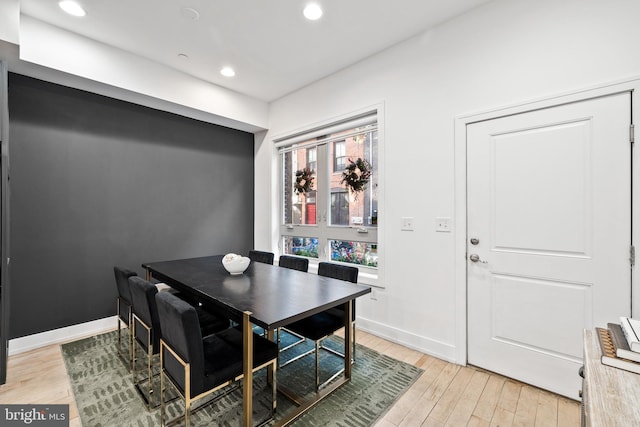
[(247, 382)]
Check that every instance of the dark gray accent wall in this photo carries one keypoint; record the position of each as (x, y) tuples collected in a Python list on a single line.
[(96, 182)]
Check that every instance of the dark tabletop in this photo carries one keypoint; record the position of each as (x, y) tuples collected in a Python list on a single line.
[(276, 296)]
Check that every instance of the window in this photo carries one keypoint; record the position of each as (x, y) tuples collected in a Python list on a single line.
[(327, 221), (339, 156), (311, 158)]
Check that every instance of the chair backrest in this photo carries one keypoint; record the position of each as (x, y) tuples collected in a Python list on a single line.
[(261, 256), (337, 271), (122, 282), (124, 293), (340, 272), (294, 263), (181, 331), (143, 295)]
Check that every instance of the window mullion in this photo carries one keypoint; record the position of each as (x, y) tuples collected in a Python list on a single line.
[(323, 199)]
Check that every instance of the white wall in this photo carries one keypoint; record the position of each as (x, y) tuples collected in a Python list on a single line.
[(36, 49), (504, 53)]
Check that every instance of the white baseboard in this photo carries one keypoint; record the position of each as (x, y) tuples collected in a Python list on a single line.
[(415, 342), (57, 336)]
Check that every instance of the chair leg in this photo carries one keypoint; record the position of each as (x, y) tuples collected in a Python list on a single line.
[(122, 355), (149, 373), (353, 336), (187, 395), (162, 387), (149, 396)]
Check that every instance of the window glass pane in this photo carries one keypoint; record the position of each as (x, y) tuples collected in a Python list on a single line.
[(360, 253), (299, 197), (339, 157), (312, 154), (350, 208), (340, 207), (302, 246)]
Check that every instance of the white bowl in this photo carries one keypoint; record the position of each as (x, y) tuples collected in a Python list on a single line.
[(235, 264)]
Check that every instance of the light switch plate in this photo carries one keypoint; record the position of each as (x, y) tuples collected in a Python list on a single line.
[(406, 223)]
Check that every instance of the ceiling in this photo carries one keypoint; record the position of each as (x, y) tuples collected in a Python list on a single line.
[(273, 49)]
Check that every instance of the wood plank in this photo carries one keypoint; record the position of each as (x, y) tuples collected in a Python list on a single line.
[(419, 413), (547, 412), (475, 421), (525, 415), (414, 395), (568, 412), (449, 398), (489, 399), (467, 402), (609, 390)]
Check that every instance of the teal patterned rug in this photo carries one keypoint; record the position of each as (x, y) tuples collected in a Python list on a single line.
[(105, 394)]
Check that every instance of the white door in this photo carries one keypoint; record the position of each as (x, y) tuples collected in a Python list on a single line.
[(549, 228)]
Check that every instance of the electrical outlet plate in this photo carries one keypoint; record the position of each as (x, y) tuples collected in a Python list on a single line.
[(443, 224)]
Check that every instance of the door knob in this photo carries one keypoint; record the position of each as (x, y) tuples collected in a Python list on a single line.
[(476, 258)]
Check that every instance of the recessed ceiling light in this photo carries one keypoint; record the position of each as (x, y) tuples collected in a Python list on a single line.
[(72, 8), (312, 12), (227, 72)]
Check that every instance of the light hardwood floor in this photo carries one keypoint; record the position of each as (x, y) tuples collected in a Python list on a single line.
[(444, 395)]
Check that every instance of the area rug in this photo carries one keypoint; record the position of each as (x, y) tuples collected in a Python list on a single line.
[(106, 397)]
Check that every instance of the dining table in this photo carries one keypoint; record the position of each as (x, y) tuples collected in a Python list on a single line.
[(267, 296)]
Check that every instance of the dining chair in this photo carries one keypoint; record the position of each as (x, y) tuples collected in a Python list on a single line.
[(147, 331), (293, 263), (348, 274), (261, 256), (322, 325), (124, 312), (197, 366)]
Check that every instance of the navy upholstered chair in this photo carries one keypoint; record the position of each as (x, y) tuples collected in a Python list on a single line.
[(261, 256), (294, 262), (124, 312), (197, 366)]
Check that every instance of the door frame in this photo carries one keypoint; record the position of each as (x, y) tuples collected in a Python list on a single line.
[(460, 189)]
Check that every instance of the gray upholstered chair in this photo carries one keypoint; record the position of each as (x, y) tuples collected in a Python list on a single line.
[(197, 366), (124, 312), (261, 256)]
